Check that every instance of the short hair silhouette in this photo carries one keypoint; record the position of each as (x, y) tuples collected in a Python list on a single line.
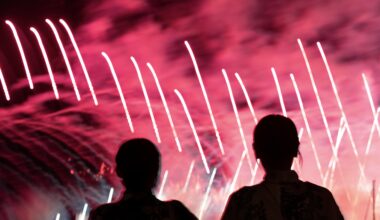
[(275, 142), (138, 164)]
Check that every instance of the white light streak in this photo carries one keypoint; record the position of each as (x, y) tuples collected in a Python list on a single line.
[(46, 59), (160, 193), (205, 96), (82, 216), (374, 125), (368, 90), (234, 180), (204, 160), (238, 121), (110, 195), (83, 65), (4, 85), (165, 106), (66, 59), (109, 62), (279, 91), (58, 216), (246, 97), (307, 126), (146, 96), (21, 50), (188, 176), (207, 193)]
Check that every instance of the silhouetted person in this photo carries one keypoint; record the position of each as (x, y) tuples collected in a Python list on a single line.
[(281, 195), (138, 165)]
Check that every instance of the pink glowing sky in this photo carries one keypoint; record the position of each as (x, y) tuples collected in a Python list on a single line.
[(248, 37)]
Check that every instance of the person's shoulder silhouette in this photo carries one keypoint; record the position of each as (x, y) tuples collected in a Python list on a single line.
[(281, 195), (138, 165)]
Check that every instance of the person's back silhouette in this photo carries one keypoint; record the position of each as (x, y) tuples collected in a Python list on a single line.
[(281, 195), (138, 165)]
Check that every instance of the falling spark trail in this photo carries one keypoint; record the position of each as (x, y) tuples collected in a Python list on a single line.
[(374, 125), (4, 85), (238, 121), (307, 126), (46, 59), (335, 154), (21, 50), (193, 129), (368, 90), (146, 96), (207, 193), (205, 96), (163, 184), (58, 216), (110, 195), (246, 97), (234, 180), (66, 59), (83, 65), (279, 91), (119, 90), (165, 106), (341, 109), (82, 216), (188, 176)]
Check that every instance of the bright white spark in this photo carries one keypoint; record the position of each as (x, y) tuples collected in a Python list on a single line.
[(110, 195), (188, 176), (146, 99), (238, 120), (83, 65), (21, 50), (207, 193), (58, 216), (109, 62), (66, 59), (205, 96), (160, 194), (4, 85), (279, 91), (362, 174), (246, 97), (193, 129), (46, 59), (307, 126), (82, 216), (165, 106), (234, 180)]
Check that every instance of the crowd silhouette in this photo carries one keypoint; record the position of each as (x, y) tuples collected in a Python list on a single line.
[(280, 196)]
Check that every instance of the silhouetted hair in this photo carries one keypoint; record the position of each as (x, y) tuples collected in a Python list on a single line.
[(138, 164), (275, 137)]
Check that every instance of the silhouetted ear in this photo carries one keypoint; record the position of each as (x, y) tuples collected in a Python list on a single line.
[(257, 153)]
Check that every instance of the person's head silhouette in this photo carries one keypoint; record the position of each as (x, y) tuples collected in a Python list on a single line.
[(138, 164), (275, 142)]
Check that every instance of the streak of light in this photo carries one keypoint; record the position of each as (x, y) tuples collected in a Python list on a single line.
[(193, 129), (58, 216), (119, 90), (246, 97), (46, 59), (4, 85), (164, 179), (110, 195), (82, 216), (279, 91), (368, 90), (165, 106), (362, 174), (146, 96), (205, 96), (83, 65), (188, 176), (22, 54), (374, 125), (307, 126), (335, 154), (238, 120), (234, 180), (207, 193), (66, 59)]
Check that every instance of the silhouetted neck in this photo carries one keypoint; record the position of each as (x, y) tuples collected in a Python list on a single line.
[(281, 176), (138, 195)]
